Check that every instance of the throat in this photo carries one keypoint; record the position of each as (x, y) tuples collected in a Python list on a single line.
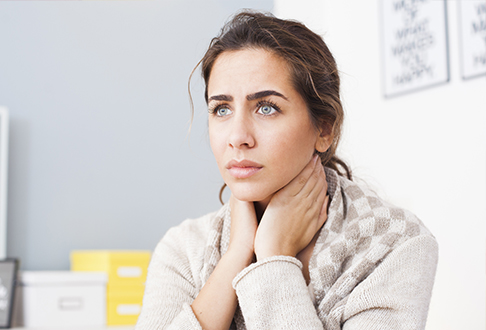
[(260, 208)]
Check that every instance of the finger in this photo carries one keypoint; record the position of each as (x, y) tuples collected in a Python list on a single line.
[(318, 212), (241, 208), (297, 183), (315, 183), (321, 182), (234, 204), (317, 196), (323, 214), (325, 178)]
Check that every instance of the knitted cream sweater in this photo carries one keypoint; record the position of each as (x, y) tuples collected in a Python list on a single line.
[(373, 267)]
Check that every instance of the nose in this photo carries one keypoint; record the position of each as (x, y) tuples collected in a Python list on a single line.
[(241, 132)]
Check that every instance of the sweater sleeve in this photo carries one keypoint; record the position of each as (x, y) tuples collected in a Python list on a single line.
[(171, 285), (272, 294), (396, 295)]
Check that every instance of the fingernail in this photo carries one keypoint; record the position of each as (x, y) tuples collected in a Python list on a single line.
[(315, 158)]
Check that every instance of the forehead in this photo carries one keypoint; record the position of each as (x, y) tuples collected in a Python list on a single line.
[(247, 71)]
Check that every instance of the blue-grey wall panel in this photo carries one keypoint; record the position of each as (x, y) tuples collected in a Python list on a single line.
[(97, 93)]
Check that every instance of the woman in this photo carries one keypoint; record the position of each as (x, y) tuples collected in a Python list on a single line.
[(298, 246)]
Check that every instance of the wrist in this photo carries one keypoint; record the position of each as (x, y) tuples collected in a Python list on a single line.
[(272, 252), (240, 255)]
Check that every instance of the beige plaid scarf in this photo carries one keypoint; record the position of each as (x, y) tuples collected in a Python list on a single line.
[(361, 230)]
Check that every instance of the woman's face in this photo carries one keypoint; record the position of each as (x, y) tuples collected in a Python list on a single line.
[(259, 127)]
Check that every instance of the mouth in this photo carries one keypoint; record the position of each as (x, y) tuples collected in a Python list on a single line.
[(243, 169)]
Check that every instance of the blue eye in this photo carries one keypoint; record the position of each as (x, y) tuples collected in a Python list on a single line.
[(221, 112), (266, 109)]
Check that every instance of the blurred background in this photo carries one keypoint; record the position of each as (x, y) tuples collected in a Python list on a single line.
[(100, 155)]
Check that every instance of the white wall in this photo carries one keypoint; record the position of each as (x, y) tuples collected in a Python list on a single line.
[(425, 151)]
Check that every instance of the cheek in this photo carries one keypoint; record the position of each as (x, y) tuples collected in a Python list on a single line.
[(293, 160), (297, 144), (290, 152), (216, 142)]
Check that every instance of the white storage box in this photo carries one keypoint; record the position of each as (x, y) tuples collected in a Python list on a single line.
[(61, 298)]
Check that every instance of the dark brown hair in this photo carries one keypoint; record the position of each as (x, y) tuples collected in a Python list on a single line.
[(313, 69)]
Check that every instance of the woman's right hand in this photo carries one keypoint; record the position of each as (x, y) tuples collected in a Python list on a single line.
[(215, 305), (243, 227)]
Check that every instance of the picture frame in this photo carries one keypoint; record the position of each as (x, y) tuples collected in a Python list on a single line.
[(414, 45), (472, 15), (8, 278)]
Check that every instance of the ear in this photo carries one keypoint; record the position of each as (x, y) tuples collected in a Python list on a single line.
[(324, 139)]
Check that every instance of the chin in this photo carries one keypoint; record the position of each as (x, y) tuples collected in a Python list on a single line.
[(250, 195)]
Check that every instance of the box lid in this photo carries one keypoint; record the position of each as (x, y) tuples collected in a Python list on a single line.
[(109, 255), (37, 278)]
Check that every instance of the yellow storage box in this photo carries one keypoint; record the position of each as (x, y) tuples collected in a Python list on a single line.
[(122, 267), (127, 271), (124, 304)]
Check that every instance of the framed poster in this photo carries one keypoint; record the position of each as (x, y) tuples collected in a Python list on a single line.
[(8, 276), (472, 29), (414, 45)]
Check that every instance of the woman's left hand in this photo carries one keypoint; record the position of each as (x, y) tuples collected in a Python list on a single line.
[(294, 215)]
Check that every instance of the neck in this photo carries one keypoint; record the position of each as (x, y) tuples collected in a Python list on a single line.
[(260, 207)]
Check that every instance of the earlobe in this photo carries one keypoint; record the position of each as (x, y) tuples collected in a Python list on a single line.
[(324, 140), (323, 143)]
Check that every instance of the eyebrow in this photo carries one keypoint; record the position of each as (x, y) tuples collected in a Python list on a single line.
[(250, 97), (221, 97), (259, 95)]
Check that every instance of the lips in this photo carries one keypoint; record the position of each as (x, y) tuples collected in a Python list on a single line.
[(243, 169)]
